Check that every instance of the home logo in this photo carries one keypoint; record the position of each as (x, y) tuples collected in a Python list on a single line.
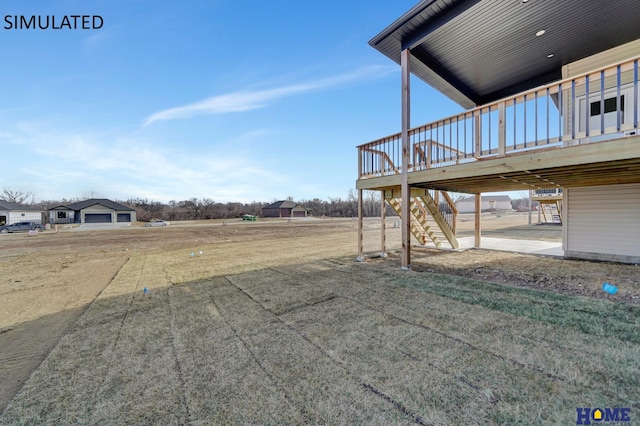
[(587, 416)]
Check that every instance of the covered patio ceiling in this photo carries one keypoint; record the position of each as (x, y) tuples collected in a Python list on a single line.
[(479, 51)]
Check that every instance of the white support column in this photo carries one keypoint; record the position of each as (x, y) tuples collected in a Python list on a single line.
[(360, 257), (405, 57)]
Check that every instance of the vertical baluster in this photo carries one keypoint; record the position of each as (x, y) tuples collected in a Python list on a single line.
[(431, 145), (465, 134), (524, 129), (573, 110), (560, 129), (587, 108), (480, 133), (515, 119), (619, 106), (535, 119), (457, 139), (489, 120), (635, 94), (439, 141), (547, 115), (449, 156), (601, 102)]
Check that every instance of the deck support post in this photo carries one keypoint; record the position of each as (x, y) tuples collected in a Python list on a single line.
[(502, 130), (383, 226), (360, 257), (405, 58), (478, 225)]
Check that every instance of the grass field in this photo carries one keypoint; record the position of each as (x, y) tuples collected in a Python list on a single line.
[(288, 329)]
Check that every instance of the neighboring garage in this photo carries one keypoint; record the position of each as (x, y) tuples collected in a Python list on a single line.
[(94, 210), (284, 209), (97, 218)]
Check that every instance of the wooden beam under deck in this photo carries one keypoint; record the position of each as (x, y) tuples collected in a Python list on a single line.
[(599, 163)]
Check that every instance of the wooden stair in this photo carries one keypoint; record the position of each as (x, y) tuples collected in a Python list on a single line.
[(427, 222), (551, 211)]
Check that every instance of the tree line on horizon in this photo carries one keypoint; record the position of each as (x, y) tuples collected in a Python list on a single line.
[(207, 208)]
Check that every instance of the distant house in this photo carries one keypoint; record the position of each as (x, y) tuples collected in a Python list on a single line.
[(284, 209), (489, 202), (14, 212), (94, 210)]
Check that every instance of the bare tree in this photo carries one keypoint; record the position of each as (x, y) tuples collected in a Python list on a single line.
[(91, 194), (16, 196)]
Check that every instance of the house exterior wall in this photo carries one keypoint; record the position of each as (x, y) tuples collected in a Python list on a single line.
[(271, 212), (299, 211), (53, 217), (600, 60), (97, 209), (131, 213), (603, 223), (18, 216), (280, 212), (469, 205)]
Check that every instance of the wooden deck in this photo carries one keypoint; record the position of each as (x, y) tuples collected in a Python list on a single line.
[(542, 138), (553, 136), (602, 163)]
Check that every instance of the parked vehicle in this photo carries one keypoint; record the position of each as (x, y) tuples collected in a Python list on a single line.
[(21, 227), (158, 223)]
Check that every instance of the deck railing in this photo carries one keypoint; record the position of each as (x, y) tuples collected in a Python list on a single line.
[(594, 106), (546, 192)]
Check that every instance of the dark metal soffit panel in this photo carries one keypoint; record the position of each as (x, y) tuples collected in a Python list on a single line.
[(478, 51)]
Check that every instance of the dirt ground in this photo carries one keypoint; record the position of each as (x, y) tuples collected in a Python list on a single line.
[(48, 281)]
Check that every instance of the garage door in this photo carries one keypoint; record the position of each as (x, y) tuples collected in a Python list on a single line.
[(124, 217), (97, 218)]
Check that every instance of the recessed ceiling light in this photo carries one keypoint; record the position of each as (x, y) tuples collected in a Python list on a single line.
[(541, 32), (524, 1), (550, 55)]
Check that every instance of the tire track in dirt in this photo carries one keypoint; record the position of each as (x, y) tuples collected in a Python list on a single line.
[(379, 301), (306, 358), (398, 405), (173, 329)]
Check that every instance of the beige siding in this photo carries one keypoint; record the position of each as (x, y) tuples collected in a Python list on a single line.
[(604, 222), (602, 59)]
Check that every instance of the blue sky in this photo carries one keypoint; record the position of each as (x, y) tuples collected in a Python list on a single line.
[(231, 100)]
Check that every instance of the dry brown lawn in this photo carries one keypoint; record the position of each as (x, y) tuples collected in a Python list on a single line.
[(274, 323)]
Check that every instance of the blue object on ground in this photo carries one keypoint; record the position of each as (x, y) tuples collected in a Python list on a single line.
[(609, 288)]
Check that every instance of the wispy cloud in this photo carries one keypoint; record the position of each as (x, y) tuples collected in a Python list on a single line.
[(123, 167), (249, 100)]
